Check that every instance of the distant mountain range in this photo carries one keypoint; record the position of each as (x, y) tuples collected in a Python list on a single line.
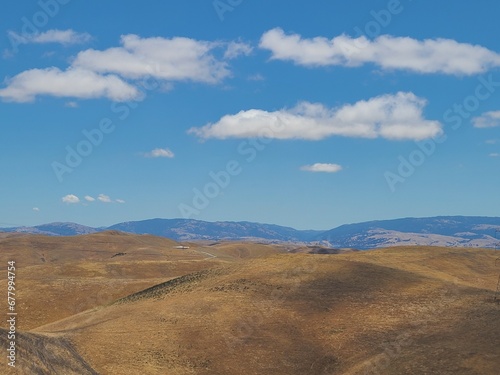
[(55, 229), (462, 231)]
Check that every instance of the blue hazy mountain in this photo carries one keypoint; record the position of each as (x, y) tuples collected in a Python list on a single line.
[(54, 229), (187, 229), (434, 231)]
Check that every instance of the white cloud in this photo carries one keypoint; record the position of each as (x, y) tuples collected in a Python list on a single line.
[(495, 155), (322, 167), (104, 198), (487, 120), (76, 83), (101, 198), (160, 153), (394, 117), (36, 209), (176, 59), (64, 37), (237, 49), (71, 199), (428, 56), (491, 141)]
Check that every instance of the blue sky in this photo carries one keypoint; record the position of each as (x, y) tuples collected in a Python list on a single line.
[(305, 114)]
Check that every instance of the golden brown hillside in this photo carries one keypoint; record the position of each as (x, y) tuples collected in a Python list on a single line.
[(392, 311), (61, 276)]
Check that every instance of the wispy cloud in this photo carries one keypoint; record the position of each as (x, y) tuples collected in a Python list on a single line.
[(237, 49), (393, 117), (322, 167), (256, 77), (159, 153), (495, 155), (36, 209), (71, 199), (88, 198), (104, 198), (107, 199), (487, 120), (71, 104), (64, 37), (75, 83), (445, 56)]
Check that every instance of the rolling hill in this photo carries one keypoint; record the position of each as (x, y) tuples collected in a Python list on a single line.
[(64, 275), (245, 308)]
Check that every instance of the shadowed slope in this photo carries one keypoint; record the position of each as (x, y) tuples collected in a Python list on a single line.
[(43, 355)]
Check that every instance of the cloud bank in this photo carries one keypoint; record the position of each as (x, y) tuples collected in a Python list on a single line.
[(444, 56), (75, 83), (393, 117), (175, 59), (117, 73)]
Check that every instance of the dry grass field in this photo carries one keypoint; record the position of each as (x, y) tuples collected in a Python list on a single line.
[(240, 308)]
